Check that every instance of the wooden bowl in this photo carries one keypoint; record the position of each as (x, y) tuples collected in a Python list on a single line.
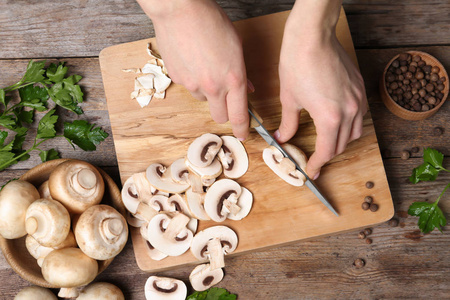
[(14, 250), (402, 112)]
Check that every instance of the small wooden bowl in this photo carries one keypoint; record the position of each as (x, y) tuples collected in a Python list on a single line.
[(15, 251), (402, 112)]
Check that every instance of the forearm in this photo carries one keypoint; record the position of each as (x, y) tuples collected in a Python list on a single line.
[(157, 9)]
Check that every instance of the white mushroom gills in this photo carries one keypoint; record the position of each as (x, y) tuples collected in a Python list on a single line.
[(164, 288)]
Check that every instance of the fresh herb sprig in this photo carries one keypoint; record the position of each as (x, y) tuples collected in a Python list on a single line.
[(430, 215), (212, 294), (39, 84)]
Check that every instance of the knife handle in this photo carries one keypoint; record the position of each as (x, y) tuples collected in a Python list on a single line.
[(253, 122)]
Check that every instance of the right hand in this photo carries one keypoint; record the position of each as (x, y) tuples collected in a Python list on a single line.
[(202, 51)]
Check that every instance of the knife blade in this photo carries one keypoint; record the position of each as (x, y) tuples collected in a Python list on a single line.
[(271, 141)]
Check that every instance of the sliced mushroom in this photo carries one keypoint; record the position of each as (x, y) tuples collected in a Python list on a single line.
[(160, 203), (211, 171), (69, 267), (39, 252), (203, 150), (101, 232), (136, 191), (133, 221), (44, 191), (156, 59), (163, 288), (213, 243), (179, 171), (101, 291), (283, 166), (202, 277), (179, 203), (170, 235), (221, 199), (160, 178), (143, 89), (161, 81), (208, 181), (245, 203), (76, 184), (35, 293), (15, 198), (154, 253), (195, 202), (233, 157), (48, 221)]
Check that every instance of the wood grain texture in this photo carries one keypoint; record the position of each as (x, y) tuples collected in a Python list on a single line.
[(162, 132), (83, 28)]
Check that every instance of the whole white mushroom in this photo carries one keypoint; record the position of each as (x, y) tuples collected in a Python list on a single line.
[(35, 293), (101, 291)]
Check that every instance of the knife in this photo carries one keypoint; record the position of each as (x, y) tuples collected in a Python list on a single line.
[(271, 141)]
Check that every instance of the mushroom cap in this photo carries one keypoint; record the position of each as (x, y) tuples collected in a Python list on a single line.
[(202, 277), (218, 192), (101, 291), (179, 171), (76, 184), (35, 293), (101, 232), (135, 190), (160, 178), (203, 150), (69, 267), (233, 157), (48, 221), (157, 228), (245, 202), (283, 166), (195, 202), (163, 288), (211, 171), (44, 191), (228, 239), (15, 198)]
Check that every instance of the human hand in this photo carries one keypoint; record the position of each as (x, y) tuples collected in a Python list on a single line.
[(316, 74), (202, 51)]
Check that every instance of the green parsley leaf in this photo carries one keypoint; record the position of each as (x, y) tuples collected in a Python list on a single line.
[(430, 216), (46, 127), (56, 73), (6, 157), (213, 293), (25, 116), (73, 88), (83, 134), (49, 155), (3, 97), (3, 147), (63, 97), (34, 97), (424, 172), (35, 71), (8, 121), (433, 157)]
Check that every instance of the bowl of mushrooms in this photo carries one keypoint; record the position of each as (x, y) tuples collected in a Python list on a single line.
[(414, 85), (61, 224)]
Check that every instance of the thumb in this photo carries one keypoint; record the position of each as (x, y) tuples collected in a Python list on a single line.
[(290, 117)]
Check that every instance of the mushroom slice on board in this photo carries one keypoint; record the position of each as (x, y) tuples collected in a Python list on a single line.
[(136, 191), (213, 243), (101, 291), (221, 199), (35, 293), (245, 202), (77, 185), (164, 288), (211, 171), (48, 221), (233, 157), (134, 221), (154, 254), (195, 202), (203, 150), (179, 171), (15, 198), (161, 82), (170, 235), (202, 277), (160, 178), (283, 166), (160, 203), (101, 232)]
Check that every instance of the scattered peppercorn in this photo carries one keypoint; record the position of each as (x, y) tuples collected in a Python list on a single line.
[(369, 184), (359, 263), (405, 155), (393, 222), (367, 231), (365, 206), (368, 199), (362, 235), (368, 241), (373, 207), (438, 131), (415, 149)]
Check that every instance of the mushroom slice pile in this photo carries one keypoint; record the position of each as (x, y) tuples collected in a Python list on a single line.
[(203, 150), (136, 192), (160, 178), (154, 254), (179, 171), (213, 243), (211, 171), (222, 199), (202, 277), (163, 288), (233, 157), (283, 166), (170, 235), (47, 221), (101, 232), (245, 203), (195, 202)]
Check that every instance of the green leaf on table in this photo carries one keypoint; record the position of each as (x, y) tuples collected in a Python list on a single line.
[(424, 172), (8, 121), (63, 97), (56, 73), (34, 97), (18, 142), (3, 97), (5, 159), (3, 147), (35, 71), (84, 135), (25, 116), (433, 157), (430, 216), (73, 88), (46, 127), (49, 155), (213, 293)]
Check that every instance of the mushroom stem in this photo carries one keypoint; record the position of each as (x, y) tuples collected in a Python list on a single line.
[(111, 228), (196, 183), (230, 207), (176, 225), (68, 292), (31, 225), (84, 181), (145, 212), (215, 254)]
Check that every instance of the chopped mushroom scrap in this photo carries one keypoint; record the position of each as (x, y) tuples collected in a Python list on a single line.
[(152, 80)]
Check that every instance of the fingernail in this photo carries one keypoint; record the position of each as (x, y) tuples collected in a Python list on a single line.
[(316, 176), (241, 139), (250, 86), (276, 134)]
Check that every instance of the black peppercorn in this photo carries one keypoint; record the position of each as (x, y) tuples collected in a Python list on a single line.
[(361, 235), (369, 184), (368, 241), (359, 263), (373, 207), (393, 222), (368, 199), (365, 206), (405, 154)]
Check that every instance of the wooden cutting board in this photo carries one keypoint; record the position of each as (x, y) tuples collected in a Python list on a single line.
[(281, 214)]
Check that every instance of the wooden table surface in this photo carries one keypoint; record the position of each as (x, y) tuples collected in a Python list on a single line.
[(400, 263)]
